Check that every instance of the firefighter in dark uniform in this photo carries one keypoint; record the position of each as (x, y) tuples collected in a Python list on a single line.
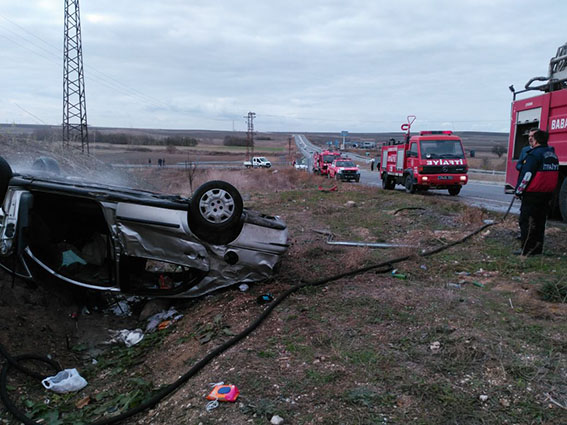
[(526, 149), (536, 183)]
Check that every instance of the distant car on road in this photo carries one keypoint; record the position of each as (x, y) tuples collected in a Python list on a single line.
[(301, 165), (258, 162), (113, 238)]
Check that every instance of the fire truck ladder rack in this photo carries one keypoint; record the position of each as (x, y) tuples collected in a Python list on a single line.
[(557, 75)]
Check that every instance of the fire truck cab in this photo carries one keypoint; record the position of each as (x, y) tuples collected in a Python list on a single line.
[(430, 160), (547, 111)]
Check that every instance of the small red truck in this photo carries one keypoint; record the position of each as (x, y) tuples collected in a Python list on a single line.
[(430, 160), (322, 160), (547, 111), (343, 169)]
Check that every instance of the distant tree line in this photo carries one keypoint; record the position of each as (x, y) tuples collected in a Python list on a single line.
[(235, 141), (144, 140), (50, 133)]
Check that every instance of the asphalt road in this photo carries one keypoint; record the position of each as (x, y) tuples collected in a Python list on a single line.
[(475, 193)]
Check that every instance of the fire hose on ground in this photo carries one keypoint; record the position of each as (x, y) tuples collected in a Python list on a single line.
[(381, 267)]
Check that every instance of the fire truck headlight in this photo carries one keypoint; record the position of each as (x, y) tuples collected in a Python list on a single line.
[(463, 178), (424, 179)]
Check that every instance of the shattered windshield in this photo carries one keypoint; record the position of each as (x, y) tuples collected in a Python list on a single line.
[(441, 149)]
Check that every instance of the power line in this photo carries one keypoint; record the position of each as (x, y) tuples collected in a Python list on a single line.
[(100, 76), (29, 113)]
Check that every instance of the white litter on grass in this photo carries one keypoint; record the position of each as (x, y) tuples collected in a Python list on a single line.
[(129, 338), (66, 381), (121, 309), (277, 420), (156, 319), (435, 346)]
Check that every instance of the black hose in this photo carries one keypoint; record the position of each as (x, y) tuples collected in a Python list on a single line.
[(14, 361), (509, 208), (164, 392)]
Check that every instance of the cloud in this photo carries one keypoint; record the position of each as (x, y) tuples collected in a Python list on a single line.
[(299, 65)]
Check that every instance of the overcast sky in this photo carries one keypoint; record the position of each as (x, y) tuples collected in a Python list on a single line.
[(300, 65)]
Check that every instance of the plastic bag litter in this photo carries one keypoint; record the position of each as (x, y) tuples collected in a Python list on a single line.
[(66, 381), (129, 338), (156, 319), (121, 309)]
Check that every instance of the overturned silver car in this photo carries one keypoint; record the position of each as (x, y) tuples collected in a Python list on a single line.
[(111, 238)]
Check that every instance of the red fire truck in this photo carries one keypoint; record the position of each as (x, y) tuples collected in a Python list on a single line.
[(547, 111), (430, 160), (322, 161)]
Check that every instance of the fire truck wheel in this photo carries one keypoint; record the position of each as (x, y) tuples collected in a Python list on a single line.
[(563, 199), (410, 187), (454, 191)]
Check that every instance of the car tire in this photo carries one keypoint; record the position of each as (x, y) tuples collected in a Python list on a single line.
[(337, 177), (454, 190), (215, 212), (5, 176), (46, 164), (410, 186)]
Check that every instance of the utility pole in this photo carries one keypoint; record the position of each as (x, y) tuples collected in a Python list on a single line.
[(250, 136), (289, 150), (74, 102)]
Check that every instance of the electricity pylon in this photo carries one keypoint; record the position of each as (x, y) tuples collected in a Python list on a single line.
[(250, 136), (74, 102)]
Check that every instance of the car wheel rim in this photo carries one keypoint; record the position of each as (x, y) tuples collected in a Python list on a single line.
[(216, 206)]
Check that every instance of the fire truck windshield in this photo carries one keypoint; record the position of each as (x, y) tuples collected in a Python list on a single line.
[(441, 149), (345, 164), (329, 158)]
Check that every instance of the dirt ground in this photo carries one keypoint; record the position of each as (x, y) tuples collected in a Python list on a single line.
[(463, 337)]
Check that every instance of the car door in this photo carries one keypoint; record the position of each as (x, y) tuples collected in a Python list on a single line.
[(158, 253)]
